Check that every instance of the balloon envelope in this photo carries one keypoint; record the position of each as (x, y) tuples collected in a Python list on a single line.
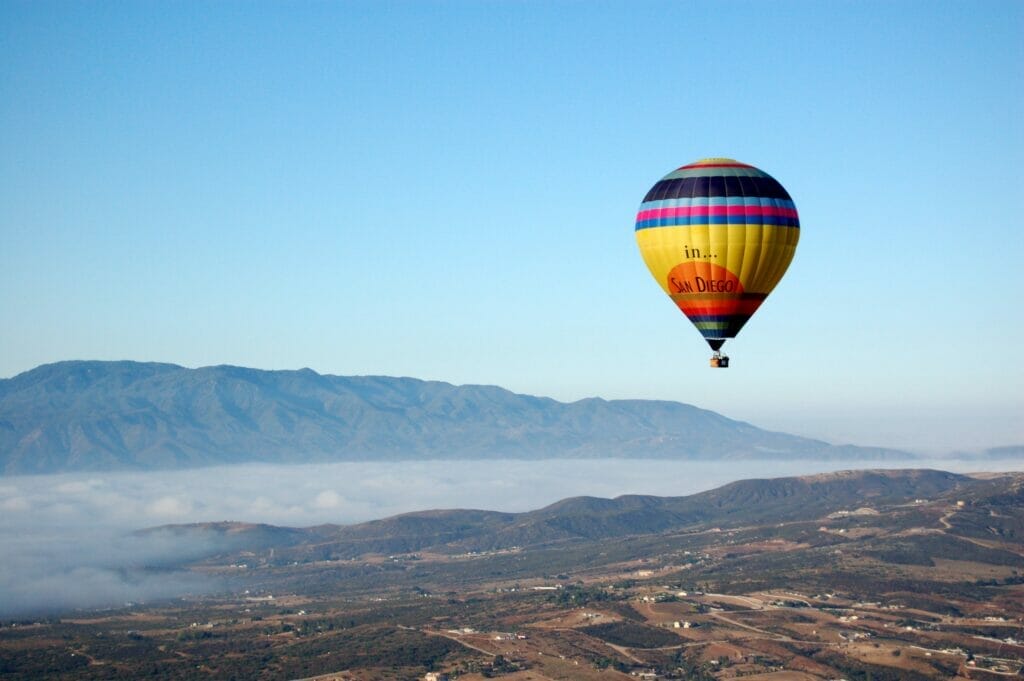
[(717, 235)]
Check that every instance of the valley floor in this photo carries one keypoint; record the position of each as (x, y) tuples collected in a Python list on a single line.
[(908, 591)]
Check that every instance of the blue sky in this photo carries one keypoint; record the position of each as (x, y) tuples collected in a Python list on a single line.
[(447, 190)]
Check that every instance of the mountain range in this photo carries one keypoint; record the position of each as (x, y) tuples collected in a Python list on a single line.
[(93, 415)]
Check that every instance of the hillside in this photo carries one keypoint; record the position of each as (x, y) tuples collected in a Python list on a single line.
[(86, 415), (594, 519), (911, 575)]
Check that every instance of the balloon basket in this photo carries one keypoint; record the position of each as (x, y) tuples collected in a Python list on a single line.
[(719, 361)]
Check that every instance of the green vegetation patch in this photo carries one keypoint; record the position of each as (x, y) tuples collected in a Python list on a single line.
[(632, 635), (40, 663), (378, 647), (921, 550)]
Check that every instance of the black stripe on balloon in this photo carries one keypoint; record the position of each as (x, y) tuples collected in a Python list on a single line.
[(766, 187)]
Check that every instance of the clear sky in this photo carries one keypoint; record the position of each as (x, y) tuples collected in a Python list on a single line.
[(447, 190)]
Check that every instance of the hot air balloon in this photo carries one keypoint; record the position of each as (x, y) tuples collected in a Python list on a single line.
[(717, 235)]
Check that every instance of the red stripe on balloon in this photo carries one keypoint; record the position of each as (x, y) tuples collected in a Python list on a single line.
[(744, 307)]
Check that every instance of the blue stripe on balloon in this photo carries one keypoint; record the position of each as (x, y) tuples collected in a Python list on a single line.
[(689, 202)]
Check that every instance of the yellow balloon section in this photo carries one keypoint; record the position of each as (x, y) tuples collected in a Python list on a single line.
[(717, 235)]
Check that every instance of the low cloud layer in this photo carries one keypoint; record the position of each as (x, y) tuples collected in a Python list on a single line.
[(67, 539), (46, 571)]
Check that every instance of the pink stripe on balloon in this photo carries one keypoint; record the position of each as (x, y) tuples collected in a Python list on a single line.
[(701, 211)]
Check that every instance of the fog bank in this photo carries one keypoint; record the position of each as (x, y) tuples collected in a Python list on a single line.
[(67, 539)]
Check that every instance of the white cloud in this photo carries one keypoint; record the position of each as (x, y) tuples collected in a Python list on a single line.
[(355, 492), (15, 504), (328, 499), (59, 529), (79, 486), (170, 507)]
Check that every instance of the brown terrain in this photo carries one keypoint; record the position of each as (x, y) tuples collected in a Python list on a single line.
[(890, 586)]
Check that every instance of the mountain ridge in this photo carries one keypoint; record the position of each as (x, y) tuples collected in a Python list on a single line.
[(583, 518), (93, 415)]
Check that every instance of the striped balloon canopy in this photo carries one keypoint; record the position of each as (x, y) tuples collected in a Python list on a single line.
[(717, 235)]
